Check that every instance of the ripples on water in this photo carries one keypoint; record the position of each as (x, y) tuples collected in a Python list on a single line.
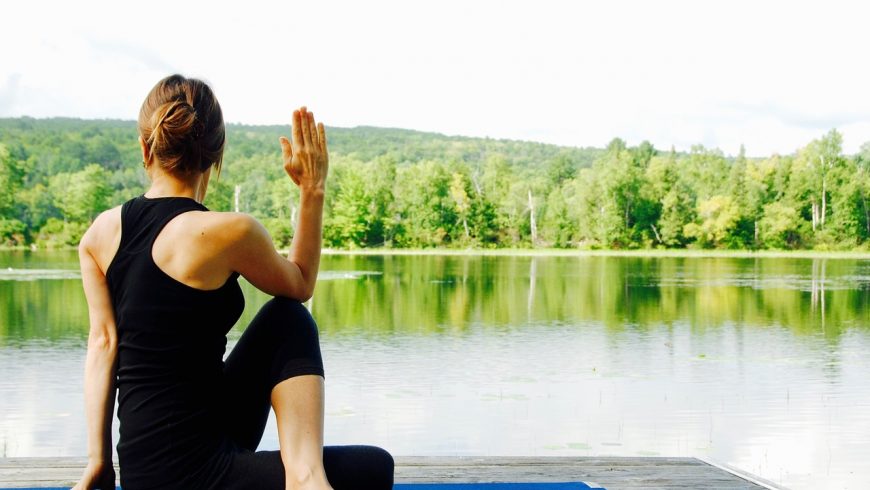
[(10, 274), (759, 363)]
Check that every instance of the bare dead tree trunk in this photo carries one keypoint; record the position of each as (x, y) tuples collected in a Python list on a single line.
[(474, 181), (815, 215), (237, 192), (824, 200), (658, 237)]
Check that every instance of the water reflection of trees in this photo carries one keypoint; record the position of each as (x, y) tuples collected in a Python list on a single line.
[(46, 309), (441, 293), (434, 294), (817, 289)]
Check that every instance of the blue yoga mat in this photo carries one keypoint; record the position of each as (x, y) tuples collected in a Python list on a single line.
[(496, 486), (446, 486)]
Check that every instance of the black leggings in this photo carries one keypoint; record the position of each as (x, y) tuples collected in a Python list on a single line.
[(282, 342)]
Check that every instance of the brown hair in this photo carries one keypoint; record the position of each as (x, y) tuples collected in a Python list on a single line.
[(183, 126)]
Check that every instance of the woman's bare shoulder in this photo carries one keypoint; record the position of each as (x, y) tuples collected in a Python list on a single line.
[(102, 238), (223, 227), (212, 236)]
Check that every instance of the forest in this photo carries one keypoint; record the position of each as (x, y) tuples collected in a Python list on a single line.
[(395, 188)]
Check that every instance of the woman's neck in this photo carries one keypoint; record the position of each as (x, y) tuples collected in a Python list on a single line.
[(165, 185)]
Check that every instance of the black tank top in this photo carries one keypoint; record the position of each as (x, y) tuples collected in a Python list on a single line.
[(171, 342)]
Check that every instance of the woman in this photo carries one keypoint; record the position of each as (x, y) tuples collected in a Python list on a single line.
[(160, 276)]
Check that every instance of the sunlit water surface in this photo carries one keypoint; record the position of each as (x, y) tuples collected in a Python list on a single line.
[(763, 364)]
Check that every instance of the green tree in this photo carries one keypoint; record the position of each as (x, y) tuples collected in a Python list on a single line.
[(862, 183), (779, 226), (81, 195), (496, 186), (560, 169), (346, 223), (462, 203), (617, 178), (750, 183), (815, 164), (583, 203), (847, 215), (12, 232), (558, 227), (425, 209), (706, 171), (381, 220), (11, 180), (717, 217)]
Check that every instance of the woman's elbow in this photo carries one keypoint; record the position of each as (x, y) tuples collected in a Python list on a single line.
[(304, 295), (102, 342), (301, 292)]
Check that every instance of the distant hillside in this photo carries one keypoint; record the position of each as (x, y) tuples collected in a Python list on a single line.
[(409, 146), (64, 144)]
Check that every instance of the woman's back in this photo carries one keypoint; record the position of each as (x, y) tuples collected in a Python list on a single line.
[(171, 341), (160, 276)]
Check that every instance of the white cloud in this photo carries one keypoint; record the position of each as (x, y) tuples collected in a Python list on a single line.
[(771, 75)]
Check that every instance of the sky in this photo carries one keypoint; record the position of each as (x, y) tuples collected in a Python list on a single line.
[(769, 75)]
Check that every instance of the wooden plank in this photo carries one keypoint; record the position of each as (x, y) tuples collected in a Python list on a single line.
[(550, 460), (614, 473), (743, 474)]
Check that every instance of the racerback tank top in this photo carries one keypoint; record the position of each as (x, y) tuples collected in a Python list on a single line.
[(171, 342)]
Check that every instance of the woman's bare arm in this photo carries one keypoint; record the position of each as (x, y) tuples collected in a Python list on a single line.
[(253, 254), (100, 362)]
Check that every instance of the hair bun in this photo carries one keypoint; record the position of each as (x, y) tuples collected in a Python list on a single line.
[(173, 123)]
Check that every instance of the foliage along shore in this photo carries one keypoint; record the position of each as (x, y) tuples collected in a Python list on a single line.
[(395, 189), (688, 253), (641, 253)]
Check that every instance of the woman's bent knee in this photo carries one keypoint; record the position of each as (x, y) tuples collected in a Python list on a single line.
[(285, 314), (286, 307), (292, 332), (358, 467)]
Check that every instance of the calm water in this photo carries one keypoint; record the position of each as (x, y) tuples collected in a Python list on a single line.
[(763, 364)]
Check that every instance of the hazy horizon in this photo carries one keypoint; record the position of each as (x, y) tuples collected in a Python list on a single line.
[(771, 76), (359, 126)]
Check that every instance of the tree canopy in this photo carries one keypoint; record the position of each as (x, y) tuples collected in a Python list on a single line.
[(400, 188)]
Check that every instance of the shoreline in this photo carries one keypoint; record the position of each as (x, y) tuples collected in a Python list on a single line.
[(561, 252), (556, 252)]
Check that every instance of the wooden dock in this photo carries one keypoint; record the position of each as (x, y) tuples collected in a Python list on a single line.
[(612, 473)]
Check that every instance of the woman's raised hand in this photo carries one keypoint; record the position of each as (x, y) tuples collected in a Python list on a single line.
[(306, 160)]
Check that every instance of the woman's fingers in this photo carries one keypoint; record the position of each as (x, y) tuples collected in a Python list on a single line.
[(297, 129), (306, 131), (321, 137), (286, 148), (287, 153), (315, 141)]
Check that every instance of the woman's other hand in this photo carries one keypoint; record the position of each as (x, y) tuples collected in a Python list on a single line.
[(97, 476), (306, 160)]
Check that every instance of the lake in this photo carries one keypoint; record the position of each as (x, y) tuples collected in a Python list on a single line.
[(760, 363)]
